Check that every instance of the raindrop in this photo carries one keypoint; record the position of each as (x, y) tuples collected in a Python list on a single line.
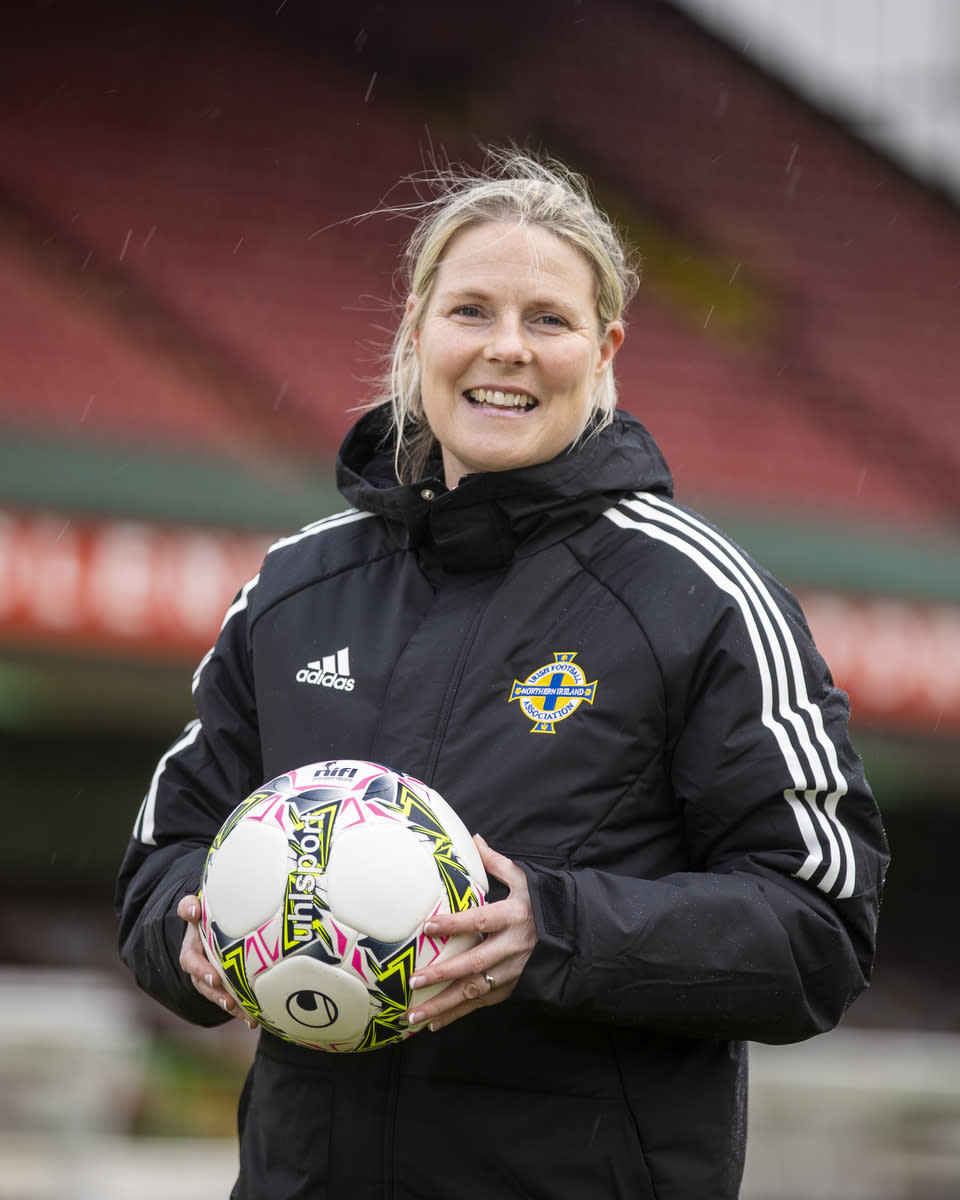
[(722, 103)]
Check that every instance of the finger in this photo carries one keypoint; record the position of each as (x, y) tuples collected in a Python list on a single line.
[(473, 990), (498, 865), (205, 979), (509, 921), (193, 958), (505, 933), (194, 961), (439, 1018), (209, 986), (189, 908), (472, 962), (484, 919)]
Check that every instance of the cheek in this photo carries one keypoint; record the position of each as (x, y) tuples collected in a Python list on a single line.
[(439, 357), (575, 371)]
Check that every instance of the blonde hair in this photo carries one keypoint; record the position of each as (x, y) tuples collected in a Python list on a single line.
[(511, 185)]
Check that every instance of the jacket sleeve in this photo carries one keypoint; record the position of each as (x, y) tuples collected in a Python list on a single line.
[(201, 778), (770, 935)]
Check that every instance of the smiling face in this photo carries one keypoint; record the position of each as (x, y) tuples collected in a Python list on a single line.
[(510, 348)]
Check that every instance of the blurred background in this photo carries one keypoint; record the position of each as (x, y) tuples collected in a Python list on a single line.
[(189, 312)]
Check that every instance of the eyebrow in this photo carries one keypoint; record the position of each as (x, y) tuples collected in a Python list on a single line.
[(479, 293)]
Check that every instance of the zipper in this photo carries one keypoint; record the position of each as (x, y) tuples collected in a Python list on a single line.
[(390, 1126), (446, 709), (453, 686)]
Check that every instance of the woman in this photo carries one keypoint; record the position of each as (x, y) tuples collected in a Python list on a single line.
[(632, 714)]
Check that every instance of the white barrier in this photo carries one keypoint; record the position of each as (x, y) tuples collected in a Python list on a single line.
[(855, 1115), (851, 1115), (71, 1052)]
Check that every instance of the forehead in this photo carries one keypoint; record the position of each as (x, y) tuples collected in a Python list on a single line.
[(512, 254)]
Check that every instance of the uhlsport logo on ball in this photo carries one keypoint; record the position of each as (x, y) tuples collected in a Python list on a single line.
[(315, 894)]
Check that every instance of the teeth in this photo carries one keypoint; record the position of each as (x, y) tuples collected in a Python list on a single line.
[(501, 399)]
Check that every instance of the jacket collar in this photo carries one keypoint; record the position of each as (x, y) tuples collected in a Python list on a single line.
[(490, 519)]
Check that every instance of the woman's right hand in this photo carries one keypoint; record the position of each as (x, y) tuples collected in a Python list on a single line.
[(194, 961)]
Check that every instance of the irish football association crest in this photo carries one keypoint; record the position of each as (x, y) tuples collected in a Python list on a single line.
[(553, 692)]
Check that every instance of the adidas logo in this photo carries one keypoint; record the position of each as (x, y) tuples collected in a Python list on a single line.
[(331, 671)]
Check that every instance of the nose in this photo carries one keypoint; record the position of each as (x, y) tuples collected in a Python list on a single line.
[(508, 342)]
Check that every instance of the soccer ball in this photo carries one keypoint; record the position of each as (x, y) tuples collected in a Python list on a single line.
[(314, 897)]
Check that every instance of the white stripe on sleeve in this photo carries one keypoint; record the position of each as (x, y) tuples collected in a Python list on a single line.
[(143, 829), (786, 709)]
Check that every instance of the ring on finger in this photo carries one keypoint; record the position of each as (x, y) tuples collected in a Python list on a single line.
[(490, 979)]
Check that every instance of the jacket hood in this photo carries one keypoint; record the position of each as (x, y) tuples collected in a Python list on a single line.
[(490, 518)]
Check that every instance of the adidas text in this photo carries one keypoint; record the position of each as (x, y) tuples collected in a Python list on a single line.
[(331, 671), (326, 679)]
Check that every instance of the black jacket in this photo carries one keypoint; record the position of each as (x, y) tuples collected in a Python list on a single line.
[(619, 699)]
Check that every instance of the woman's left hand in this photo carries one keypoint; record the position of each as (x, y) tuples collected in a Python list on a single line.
[(488, 972)]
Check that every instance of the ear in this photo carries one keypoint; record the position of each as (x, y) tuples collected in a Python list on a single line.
[(611, 342)]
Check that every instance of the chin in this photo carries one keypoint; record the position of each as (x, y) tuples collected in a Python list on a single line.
[(507, 462)]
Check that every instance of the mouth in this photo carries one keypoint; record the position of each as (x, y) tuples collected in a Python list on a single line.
[(504, 401)]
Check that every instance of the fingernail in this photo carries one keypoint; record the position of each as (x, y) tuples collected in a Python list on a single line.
[(414, 1018), (193, 912), (208, 980), (416, 982), (430, 927), (251, 1024), (223, 1004)]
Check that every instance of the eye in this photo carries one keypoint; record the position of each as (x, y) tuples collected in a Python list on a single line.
[(467, 310), (551, 320)]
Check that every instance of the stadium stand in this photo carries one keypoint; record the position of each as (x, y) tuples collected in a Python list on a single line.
[(210, 278)]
